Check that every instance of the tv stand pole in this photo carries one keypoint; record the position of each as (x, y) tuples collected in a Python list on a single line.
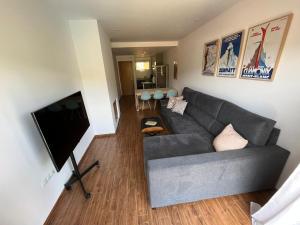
[(77, 176)]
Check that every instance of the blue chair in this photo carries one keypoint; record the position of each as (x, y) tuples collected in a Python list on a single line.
[(158, 94), (145, 96), (171, 93)]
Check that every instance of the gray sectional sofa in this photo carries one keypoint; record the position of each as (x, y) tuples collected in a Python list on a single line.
[(184, 167)]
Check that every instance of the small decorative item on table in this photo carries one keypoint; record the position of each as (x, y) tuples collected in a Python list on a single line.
[(151, 126)]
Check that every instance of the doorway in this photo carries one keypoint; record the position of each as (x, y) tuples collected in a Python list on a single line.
[(126, 77)]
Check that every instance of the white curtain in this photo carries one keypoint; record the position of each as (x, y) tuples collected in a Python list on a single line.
[(283, 208)]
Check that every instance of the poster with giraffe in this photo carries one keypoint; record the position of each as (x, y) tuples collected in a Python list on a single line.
[(263, 48)]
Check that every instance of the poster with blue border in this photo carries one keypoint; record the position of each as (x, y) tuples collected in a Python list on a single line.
[(230, 54), (263, 48)]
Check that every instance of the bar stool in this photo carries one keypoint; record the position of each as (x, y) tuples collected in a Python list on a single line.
[(171, 93), (158, 94), (145, 96)]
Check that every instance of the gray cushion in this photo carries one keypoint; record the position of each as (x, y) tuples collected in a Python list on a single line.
[(251, 126), (185, 124), (166, 146), (206, 103), (205, 120)]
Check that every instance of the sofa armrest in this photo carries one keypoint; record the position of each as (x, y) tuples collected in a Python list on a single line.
[(194, 177)]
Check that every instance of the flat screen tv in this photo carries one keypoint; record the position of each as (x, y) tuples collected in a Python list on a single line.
[(61, 125)]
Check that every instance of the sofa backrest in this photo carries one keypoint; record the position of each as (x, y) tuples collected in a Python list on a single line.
[(206, 103), (214, 114), (255, 128), (273, 137), (204, 109)]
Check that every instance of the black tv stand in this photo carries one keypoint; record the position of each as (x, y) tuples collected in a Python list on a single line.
[(77, 176)]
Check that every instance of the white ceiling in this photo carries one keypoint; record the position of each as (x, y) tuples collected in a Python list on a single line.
[(141, 20)]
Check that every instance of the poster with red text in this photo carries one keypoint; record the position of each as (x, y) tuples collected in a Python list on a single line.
[(263, 48)]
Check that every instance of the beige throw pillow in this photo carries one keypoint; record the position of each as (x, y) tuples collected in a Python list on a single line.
[(172, 101), (229, 139), (179, 106)]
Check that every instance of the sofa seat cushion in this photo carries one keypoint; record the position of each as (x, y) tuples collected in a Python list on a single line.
[(256, 129), (187, 125), (184, 124), (172, 145)]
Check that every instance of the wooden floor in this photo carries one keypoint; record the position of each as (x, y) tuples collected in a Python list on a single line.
[(119, 193)]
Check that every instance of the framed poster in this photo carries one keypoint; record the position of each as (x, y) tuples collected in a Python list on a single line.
[(263, 48), (210, 58), (230, 52)]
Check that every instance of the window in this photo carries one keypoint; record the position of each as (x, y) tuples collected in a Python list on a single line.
[(142, 66)]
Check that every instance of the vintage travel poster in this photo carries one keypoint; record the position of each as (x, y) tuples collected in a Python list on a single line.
[(230, 54), (263, 49), (210, 58)]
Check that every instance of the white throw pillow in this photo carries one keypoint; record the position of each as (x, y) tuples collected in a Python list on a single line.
[(179, 107), (172, 101), (229, 139)]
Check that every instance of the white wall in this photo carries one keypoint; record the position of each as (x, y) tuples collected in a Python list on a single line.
[(279, 99), (169, 57), (117, 77), (110, 72), (37, 67), (86, 39)]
